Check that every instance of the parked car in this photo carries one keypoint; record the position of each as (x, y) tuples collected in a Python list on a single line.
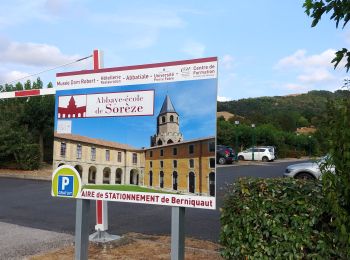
[(274, 151), (307, 170), (263, 153), (224, 154)]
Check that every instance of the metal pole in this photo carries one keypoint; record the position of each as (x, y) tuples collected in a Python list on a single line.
[(236, 152), (253, 141), (298, 156), (236, 143), (177, 233), (82, 229), (309, 146)]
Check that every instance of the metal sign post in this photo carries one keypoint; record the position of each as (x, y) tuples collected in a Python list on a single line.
[(82, 229), (177, 233), (101, 206)]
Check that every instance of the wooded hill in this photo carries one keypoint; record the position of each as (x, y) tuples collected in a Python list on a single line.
[(284, 112)]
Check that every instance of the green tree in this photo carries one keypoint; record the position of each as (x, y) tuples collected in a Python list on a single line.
[(340, 13), (38, 116), (336, 128), (337, 186), (26, 125)]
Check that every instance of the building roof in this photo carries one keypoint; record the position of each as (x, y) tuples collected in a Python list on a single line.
[(182, 142), (94, 141), (167, 106)]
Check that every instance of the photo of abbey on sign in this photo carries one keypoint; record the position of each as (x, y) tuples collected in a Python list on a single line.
[(149, 143)]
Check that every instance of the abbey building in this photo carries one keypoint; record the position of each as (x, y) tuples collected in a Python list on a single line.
[(168, 130), (170, 163)]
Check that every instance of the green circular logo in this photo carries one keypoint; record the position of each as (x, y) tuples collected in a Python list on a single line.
[(66, 182)]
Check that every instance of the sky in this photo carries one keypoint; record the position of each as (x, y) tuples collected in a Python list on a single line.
[(265, 48), (194, 101)]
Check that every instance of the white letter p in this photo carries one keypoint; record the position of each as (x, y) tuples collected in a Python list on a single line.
[(65, 182)]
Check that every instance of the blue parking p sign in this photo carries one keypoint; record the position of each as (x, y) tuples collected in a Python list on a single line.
[(65, 185)]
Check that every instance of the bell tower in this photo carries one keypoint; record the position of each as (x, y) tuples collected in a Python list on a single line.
[(168, 130)]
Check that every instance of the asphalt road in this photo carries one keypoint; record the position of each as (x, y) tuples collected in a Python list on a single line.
[(29, 203)]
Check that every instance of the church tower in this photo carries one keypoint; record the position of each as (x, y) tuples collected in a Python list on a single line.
[(168, 130)]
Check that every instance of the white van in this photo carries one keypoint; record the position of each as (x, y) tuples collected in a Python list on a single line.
[(264, 154)]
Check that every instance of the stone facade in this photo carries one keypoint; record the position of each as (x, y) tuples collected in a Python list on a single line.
[(186, 167), (110, 162)]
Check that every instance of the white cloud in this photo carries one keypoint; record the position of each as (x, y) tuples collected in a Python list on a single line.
[(222, 99), (194, 49), (33, 54), (310, 71), (138, 28), (227, 61), (17, 12), (299, 59), (9, 76), (320, 75)]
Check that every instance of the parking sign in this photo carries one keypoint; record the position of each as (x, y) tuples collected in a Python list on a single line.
[(65, 185), (66, 182)]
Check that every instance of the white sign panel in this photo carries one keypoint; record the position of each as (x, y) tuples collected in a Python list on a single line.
[(149, 198), (146, 132), (199, 69), (138, 103), (128, 103)]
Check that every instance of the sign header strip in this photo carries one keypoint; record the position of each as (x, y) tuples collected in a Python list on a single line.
[(135, 67)]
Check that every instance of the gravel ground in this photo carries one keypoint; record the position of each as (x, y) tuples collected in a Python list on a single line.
[(17, 242), (135, 246)]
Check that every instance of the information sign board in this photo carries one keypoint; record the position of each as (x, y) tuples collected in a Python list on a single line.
[(142, 134)]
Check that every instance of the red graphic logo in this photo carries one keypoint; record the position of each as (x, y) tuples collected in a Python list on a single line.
[(71, 110)]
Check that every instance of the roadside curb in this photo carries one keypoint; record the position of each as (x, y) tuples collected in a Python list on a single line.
[(250, 163), (24, 176)]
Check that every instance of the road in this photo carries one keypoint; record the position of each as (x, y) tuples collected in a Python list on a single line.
[(29, 203)]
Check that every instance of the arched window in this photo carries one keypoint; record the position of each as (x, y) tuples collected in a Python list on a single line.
[(171, 118), (150, 178), (161, 179), (134, 177), (163, 119), (118, 176), (92, 174), (212, 184), (79, 169), (160, 142), (174, 180), (191, 182), (131, 177), (106, 175), (170, 141)]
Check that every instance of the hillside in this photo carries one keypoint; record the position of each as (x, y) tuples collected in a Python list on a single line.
[(284, 112)]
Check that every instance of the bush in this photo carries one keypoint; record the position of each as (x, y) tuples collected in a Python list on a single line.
[(28, 157), (276, 219)]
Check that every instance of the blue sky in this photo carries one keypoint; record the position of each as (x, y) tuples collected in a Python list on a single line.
[(265, 48), (194, 101)]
